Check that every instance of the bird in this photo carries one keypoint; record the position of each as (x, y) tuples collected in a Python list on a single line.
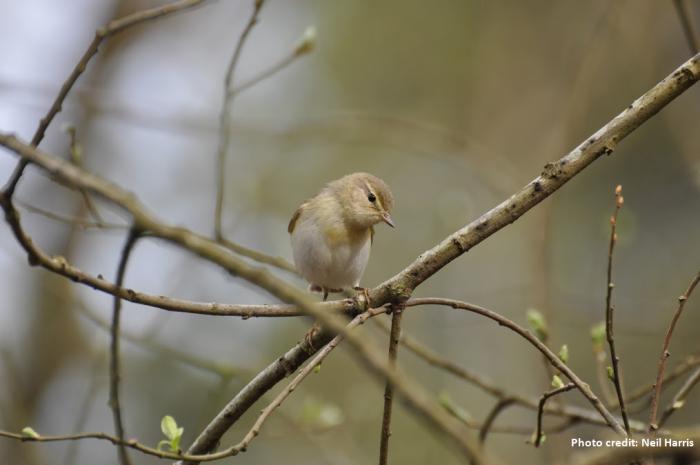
[(332, 232)]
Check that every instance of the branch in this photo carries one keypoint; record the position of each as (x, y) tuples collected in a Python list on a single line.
[(609, 309), (394, 335), (540, 409), (114, 368), (225, 117), (665, 354), (113, 27)]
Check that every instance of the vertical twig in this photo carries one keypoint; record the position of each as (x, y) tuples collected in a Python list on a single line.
[(689, 31), (665, 354), (540, 409), (225, 117), (114, 364), (609, 309), (394, 336)]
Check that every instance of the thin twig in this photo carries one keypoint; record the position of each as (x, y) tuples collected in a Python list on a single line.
[(394, 335), (609, 310), (73, 221), (679, 399), (665, 354), (540, 409), (491, 417), (114, 363), (225, 118), (684, 16), (102, 33)]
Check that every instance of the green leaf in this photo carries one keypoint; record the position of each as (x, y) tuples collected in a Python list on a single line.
[(169, 427), (538, 324), (611, 373), (598, 334), (564, 354), (28, 432), (162, 443), (317, 368), (557, 382)]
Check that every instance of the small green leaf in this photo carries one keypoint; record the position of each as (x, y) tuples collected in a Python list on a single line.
[(598, 334), (28, 432), (538, 324), (543, 438), (163, 443), (610, 372), (169, 427), (557, 382), (317, 368), (564, 353)]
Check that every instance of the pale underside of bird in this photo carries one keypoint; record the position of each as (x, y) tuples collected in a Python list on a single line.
[(332, 233)]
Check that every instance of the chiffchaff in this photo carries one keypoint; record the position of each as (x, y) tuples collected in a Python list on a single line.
[(332, 232)]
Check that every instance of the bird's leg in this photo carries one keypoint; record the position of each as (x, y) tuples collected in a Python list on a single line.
[(325, 293)]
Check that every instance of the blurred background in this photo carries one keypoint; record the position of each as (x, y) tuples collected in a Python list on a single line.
[(456, 104)]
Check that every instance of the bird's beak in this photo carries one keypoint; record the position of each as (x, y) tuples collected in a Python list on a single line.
[(387, 219)]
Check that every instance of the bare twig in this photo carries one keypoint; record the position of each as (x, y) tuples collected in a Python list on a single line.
[(75, 221), (609, 310), (394, 335), (684, 16), (225, 118), (679, 399), (491, 417), (104, 32), (665, 354), (114, 363), (540, 409)]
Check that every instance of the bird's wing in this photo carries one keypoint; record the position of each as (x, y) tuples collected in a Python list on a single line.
[(295, 217)]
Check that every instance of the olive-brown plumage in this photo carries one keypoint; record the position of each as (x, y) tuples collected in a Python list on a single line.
[(332, 232)]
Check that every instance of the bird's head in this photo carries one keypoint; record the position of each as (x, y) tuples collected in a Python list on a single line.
[(365, 199)]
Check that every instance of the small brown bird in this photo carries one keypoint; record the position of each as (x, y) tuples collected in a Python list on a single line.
[(332, 232)]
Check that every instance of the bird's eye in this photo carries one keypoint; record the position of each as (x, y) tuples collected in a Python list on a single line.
[(371, 197)]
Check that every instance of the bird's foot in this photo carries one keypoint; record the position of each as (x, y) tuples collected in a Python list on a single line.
[(324, 290), (365, 293)]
